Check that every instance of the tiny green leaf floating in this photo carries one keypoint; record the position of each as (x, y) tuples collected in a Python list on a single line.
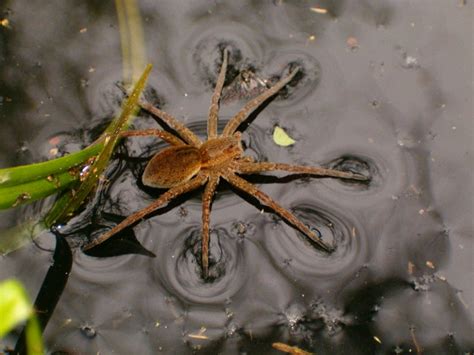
[(281, 138)]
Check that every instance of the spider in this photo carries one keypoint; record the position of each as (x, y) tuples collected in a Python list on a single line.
[(189, 163)]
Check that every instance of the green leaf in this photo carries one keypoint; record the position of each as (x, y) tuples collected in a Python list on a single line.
[(281, 138), (14, 306), (34, 342)]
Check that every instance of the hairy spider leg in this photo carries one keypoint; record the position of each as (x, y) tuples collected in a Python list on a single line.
[(250, 189), (185, 133), (172, 193), (257, 167), (166, 136), (206, 212), (214, 108), (252, 105)]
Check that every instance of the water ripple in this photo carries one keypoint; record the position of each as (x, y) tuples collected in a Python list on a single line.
[(103, 96), (334, 227), (386, 171), (305, 82), (181, 273), (207, 44)]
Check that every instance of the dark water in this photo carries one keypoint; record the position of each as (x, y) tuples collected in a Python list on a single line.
[(386, 90)]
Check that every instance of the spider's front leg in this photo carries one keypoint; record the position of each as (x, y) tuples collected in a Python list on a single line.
[(214, 108), (173, 123), (254, 104), (166, 136)]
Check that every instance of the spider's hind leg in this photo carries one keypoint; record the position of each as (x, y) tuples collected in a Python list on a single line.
[(206, 212), (250, 189), (257, 167), (161, 201)]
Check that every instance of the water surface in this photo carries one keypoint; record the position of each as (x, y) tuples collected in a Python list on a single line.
[(386, 90)]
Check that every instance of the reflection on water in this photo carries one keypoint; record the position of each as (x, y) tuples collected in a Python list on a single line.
[(399, 280)]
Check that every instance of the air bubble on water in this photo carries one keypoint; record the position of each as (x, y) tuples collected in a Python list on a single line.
[(229, 313), (423, 282), (24, 147), (294, 314), (409, 61), (231, 329), (88, 331)]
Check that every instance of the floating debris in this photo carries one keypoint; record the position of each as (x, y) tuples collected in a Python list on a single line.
[(23, 197), (377, 339), (281, 138), (200, 334), (5, 23), (66, 322), (293, 350), (409, 61), (430, 264), (88, 331), (247, 84), (83, 30), (415, 341), (240, 228), (319, 10), (352, 43), (54, 140), (182, 212), (53, 152)]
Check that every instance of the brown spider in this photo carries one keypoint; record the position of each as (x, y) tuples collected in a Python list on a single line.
[(190, 163)]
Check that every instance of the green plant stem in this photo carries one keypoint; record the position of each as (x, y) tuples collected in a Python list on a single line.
[(16, 195), (25, 173), (67, 205)]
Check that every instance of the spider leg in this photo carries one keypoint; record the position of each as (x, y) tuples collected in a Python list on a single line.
[(250, 189), (251, 168), (252, 105), (214, 108), (162, 200), (173, 123), (166, 136), (206, 212)]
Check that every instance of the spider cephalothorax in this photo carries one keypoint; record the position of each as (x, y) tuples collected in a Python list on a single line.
[(190, 163)]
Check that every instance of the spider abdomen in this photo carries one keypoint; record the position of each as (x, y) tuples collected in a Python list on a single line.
[(172, 166)]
